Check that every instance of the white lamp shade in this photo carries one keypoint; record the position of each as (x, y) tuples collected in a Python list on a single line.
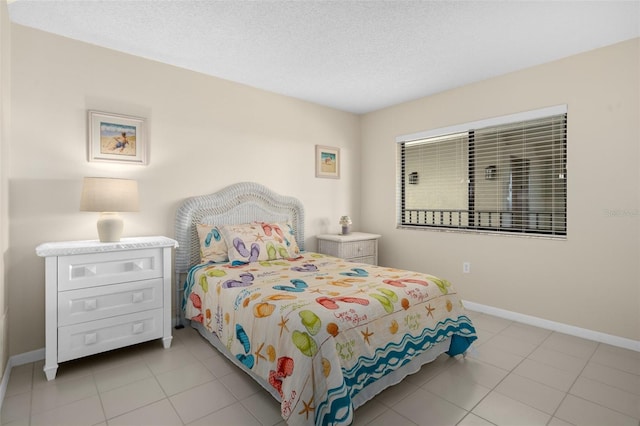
[(109, 195)]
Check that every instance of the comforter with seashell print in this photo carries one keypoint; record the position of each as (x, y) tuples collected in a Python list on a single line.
[(318, 329)]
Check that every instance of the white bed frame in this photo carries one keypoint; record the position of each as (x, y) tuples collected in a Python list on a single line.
[(242, 203), (238, 203)]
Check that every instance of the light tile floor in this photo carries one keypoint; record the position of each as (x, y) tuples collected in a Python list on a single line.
[(514, 375)]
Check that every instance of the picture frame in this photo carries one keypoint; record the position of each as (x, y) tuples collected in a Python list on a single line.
[(117, 138), (327, 162)]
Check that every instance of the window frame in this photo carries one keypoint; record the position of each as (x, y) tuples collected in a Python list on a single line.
[(555, 231)]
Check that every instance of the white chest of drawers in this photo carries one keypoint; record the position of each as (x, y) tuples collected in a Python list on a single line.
[(355, 247), (103, 296)]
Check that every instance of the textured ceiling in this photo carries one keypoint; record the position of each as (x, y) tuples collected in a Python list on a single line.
[(355, 56)]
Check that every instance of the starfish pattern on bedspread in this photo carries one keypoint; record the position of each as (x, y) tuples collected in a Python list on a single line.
[(319, 329)]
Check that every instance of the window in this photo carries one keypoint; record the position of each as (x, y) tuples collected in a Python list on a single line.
[(506, 174)]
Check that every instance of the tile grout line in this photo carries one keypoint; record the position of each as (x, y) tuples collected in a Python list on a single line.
[(564, 397), (587, 400), (95, 383), (502, 380), (33, 376), (155, 377), (464, 356), (512, 371)]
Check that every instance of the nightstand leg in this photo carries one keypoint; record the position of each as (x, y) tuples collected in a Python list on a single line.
[(166, 342)]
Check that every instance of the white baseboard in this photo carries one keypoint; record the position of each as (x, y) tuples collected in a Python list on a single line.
[(584, 333), (14, 361), (5, 382), (27, 357)]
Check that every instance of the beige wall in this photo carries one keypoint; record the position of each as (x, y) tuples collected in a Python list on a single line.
[(591, 280), (5, 100), (205, 134)]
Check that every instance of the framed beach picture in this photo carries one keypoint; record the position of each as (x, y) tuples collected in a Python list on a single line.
[(327, 162), (117, 138)]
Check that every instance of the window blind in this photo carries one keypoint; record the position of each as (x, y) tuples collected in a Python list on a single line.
[(505, 177)]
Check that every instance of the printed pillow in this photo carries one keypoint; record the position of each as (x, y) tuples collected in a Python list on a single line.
[(288, 235), (258, 241), (213, 247)]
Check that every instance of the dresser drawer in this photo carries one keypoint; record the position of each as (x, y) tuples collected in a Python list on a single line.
[(89, 304), (89, 270), (75, 341)]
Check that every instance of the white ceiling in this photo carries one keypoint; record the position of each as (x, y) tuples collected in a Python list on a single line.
[(355, 56)]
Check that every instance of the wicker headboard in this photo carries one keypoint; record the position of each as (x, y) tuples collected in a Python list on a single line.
[(238, 203)]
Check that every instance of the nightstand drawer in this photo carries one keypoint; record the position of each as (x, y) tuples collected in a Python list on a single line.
[(89, 270), (76, 306), (75, 341), (358, 249)]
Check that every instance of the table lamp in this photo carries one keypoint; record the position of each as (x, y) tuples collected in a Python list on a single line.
[(109, 196)]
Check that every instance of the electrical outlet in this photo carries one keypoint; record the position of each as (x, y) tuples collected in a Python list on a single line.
[(466, 267)]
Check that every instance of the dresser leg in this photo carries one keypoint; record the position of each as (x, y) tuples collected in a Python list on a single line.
[(166, 342), (50, 371)]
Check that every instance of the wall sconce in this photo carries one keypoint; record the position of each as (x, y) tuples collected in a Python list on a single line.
[(109, 196), (490, 172), (413, 178)]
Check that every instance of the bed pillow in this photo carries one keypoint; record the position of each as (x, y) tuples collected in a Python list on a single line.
[(258, 241), (288, 236), (213, 247)]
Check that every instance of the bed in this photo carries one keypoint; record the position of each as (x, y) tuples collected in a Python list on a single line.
[(321, 334)]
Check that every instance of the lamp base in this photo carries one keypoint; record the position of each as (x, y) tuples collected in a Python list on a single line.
[(110, 227)]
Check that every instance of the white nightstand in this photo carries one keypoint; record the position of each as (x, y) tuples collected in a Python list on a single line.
[(103, 296), (354, 247)]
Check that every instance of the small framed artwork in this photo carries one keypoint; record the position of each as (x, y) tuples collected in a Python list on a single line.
[(117, 138), (327, 162)]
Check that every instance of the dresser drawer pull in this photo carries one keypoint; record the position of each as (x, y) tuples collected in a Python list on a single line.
[(84, 271), (90, 339), (137, 297), (135, 265), (138, 328), (90, 305)]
